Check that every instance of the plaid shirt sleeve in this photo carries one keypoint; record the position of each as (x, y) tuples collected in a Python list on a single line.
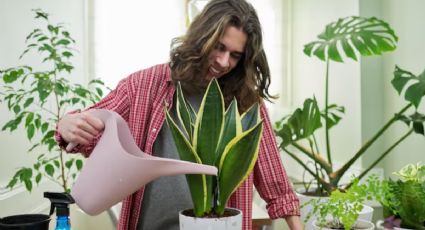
[(270, 178)]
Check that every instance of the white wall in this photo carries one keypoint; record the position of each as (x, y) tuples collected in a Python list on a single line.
[(408, 20)]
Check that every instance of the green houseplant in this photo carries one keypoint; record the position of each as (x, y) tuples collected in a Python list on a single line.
[(342, 209), (217, 137), (405, 198), (38, 98), (351, 37)]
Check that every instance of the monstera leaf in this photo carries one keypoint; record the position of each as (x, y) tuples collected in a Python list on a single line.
[(355, 35), (301, 124), (415, 90)]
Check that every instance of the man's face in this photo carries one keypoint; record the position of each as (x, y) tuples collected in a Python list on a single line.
[(227, 52)]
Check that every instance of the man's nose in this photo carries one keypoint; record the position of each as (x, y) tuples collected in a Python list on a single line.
[(223, 59)]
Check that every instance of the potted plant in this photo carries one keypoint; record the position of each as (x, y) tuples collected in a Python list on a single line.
[(342, 209), (351, 37), (218, 137), (38, 98), (404, 198)]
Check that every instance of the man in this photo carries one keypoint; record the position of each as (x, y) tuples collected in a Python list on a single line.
[(224, 42)]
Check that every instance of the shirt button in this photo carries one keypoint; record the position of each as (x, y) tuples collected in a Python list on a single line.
[(154, 130)]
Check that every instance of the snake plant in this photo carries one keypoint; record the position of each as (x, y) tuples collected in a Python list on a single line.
[(218, 137)]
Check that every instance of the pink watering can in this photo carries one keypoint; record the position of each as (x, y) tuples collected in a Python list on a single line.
[(117, 167)]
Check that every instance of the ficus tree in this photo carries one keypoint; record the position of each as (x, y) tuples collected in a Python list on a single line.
[(37, 98)]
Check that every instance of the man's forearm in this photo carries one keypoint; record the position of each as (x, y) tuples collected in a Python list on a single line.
[(294, 223)]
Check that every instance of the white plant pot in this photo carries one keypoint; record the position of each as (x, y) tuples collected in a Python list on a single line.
[(222, 223), (365, 214), (360, 225)]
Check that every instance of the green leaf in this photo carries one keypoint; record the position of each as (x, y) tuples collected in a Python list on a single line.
[(29, 119), (59, 89), (210, 116), (232, 127), (183, 113), (201, 196), (28, 102), (301, 124), (99, 92), (355, 35), (69, 163), (414, 85), (67, 54), (44, 127), (57, 163), (16, 109), (30, 131), (240, 153), (12, 183), (28, 185), (49, 169), (251, 117), (11, 76), (38, 178), (64, 42), (79, 164)]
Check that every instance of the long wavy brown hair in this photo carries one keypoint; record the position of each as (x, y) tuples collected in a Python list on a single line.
[(249, 81)]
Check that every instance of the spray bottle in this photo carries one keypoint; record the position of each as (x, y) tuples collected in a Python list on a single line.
[(61, 202)]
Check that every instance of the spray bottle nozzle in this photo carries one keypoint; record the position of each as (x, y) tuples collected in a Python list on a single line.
[(60, 201)]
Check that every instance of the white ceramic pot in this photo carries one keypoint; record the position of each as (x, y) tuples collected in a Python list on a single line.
[(222, 223), (365, 214), (360, 225)]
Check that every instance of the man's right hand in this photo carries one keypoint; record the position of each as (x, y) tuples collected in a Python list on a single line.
[(80, 128)]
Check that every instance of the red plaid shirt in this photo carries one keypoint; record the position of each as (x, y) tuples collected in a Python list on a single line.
[(139, 99)]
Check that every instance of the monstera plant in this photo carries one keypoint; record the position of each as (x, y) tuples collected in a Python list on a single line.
[(38, 97), (349, 37), (218, 137)]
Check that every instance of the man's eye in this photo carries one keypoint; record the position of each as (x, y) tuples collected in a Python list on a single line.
[(220, 46), (236, 55)]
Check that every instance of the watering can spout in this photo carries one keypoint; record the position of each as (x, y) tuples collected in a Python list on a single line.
[(117, 167)]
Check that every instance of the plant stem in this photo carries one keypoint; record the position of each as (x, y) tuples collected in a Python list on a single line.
[(328, 144), (57, 116), (340, 172), (315, 157), (316, 176), (384, 154)]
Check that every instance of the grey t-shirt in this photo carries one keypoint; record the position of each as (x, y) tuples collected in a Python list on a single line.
[(165, 197)]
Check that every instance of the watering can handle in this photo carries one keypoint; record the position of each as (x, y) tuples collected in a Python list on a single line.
[(70, 146)]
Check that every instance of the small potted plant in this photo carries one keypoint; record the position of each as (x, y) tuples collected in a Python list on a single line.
[(342, 209), (218, 137), (404, 198)]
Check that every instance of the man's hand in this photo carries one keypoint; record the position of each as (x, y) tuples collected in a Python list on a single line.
[(80, 128)]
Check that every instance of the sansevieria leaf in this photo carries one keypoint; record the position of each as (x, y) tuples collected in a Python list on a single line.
[(197, 183), (356, 36), (183, 112), (209, 123), (251, 117), (232, 127), (236, 163)]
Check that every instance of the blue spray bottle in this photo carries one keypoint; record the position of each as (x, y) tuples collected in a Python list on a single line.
[(61, 202)]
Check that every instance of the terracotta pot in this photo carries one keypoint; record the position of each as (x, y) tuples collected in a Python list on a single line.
[(223, 223)]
